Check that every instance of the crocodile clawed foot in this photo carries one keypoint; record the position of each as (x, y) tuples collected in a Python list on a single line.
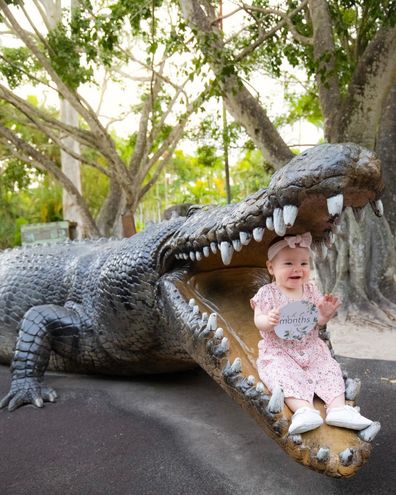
[(27, 391)]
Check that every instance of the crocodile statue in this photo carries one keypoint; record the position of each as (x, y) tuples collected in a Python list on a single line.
[(177, 294)]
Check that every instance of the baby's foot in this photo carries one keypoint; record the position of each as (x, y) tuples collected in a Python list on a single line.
[(347, 417), (305, 419)]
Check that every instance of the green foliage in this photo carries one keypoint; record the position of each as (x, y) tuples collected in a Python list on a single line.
[(39, 204), (16, 65), (65, 57), (17, 176), (200, 179), (355, 23), (249, 174), (304, 106), (98, 30)]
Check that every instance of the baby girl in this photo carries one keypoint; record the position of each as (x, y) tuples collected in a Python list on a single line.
[(302, 367)]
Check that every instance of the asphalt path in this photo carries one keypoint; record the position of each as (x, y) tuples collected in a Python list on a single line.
[(175, 434)]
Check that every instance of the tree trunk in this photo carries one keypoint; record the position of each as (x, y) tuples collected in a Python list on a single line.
[(124, 222), (360, 269), (68, 115), (71, 168), (109, 210), (386, 150), (361, 266)]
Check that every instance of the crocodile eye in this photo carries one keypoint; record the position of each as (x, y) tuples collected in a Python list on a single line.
[(193, 209)]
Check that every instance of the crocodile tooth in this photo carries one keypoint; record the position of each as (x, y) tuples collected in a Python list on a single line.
[(219, 333), (236, 366), (198, 255), (258, 233), (378, 207), (245, 238), (290, 215), (191, 302), (269, 222), (213, 247), (222, 348), (369, 433), (251, 380), (352, 388), (206, 251), (226, 251), (279, 224), (359, 214), (296, 439), (237, 245), (323, 454), (177, 256), (204, 317), (231, 371), (335, 204), (185, 256), (195, 310), (251, 393), (260, 387), (192, 256), (346, 457), (225, 344), (277, 401), (212, 322)]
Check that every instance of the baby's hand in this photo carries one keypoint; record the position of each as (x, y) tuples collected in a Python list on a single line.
[(328, 306), (273, 317)]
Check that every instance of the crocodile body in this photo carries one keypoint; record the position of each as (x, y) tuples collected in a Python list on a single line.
[(172, 296)]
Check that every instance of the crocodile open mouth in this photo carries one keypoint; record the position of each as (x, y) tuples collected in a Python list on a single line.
[(217, 262)]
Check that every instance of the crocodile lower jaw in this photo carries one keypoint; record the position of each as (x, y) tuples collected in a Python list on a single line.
[(219, 334)]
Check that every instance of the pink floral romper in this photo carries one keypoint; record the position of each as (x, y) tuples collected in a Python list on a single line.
[(301, 367)]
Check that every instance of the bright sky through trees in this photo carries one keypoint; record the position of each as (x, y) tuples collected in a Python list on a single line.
[(113, 111)]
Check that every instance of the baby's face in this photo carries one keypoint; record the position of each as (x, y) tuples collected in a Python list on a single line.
[(290, 267)]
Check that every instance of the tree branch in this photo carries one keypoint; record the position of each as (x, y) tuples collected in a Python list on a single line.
[(326, 74), (30, 155), (157, 173), (142, 145), (286, 19), (77, 102), (240, 103), (373, 79), (86, 138)]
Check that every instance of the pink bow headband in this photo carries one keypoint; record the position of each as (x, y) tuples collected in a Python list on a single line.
[(303, 240)]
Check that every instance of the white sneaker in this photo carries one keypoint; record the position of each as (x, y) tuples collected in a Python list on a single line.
[(305, 419), (347, 417)]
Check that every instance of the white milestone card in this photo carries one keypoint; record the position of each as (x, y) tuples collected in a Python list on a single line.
[(296, 320)]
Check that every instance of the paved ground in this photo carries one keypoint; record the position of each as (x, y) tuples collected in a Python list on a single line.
[(173, 435)]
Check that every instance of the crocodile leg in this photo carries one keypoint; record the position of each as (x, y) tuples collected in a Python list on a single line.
[(43, 328)]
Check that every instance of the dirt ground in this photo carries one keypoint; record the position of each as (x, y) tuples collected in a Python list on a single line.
[(363, 340)]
